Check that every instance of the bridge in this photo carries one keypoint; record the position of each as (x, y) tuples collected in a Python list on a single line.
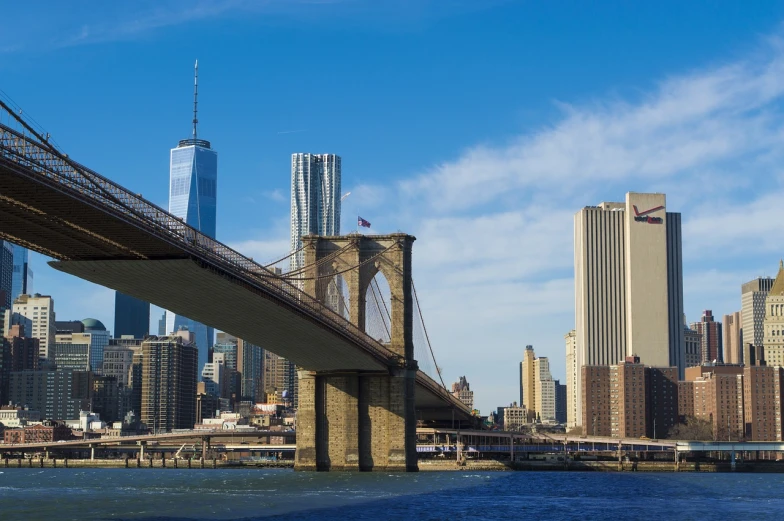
[(360, 399)]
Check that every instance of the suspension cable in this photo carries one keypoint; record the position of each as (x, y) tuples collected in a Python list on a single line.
[(284, 258), (376, 299), (319, 277), (427, 337)]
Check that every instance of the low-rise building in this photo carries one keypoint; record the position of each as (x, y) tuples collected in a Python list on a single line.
[(41, 433), (515, 417), (12, 416)]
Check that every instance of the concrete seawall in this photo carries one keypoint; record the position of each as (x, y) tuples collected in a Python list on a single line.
[(12, 463)]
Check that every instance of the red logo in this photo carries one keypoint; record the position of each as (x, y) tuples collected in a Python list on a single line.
[(645, 217)]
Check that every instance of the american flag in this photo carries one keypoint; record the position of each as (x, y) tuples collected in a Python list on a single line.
[(362, 222)]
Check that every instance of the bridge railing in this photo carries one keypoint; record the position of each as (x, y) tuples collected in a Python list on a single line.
[(81, 182)]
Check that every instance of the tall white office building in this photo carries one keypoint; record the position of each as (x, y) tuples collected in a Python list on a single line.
[(315, 199), (193, 189), (36, 314), (628, 285)]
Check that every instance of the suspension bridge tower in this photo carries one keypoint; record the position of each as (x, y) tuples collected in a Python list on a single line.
[(350, 420)]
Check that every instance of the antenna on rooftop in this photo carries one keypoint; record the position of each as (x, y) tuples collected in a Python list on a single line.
[(195, 96)]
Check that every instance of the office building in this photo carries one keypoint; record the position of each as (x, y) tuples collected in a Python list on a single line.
[(315, 199), (68, 326), (753, 295), (22, 283), (215, 376), (229, 350), (560, 402), (544, 391), (162, 325), (131, 316), (250, 364), (6, 274), (710, 338), (773, 323), (572, 389), (36, 314), (628, 284), (106, 401), (118, 364), (462, 391), (693, 347), (280, 376), (515, 417), (193, 182), (72, 351), (23, 350), (732, 336), (57, 395), (762, 402), (527, 381), (168, 382)]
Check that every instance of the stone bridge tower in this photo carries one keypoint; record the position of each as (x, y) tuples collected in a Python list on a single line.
[(350, 420)]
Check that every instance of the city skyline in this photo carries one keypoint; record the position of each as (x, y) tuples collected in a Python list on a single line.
[(449, 191)]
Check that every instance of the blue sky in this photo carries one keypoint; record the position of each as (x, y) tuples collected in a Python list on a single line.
[(479, 127)]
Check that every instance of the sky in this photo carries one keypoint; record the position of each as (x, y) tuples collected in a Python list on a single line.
[(479, 127)]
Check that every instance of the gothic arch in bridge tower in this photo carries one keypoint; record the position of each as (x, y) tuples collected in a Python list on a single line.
[(351, 419)]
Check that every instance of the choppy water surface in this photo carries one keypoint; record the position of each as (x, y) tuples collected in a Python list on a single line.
[(171, 494)]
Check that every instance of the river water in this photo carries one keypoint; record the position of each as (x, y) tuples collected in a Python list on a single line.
[(171, 494)]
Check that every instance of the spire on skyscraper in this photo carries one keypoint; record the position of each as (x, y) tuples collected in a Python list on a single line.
[(195, 96)]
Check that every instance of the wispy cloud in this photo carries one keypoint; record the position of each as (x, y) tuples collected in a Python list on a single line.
[(495, 224), (99, 22)]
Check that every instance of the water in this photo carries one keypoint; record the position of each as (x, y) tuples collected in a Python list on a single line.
[(171, 494)]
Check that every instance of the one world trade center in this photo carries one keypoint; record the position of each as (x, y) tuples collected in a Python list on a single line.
[(193, 181)]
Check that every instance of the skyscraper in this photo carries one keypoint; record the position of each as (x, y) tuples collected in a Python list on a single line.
[(733, 338), (753, 295), (315, 198), (710, 332), (774, 321), (250, 364), (628, 284), (6, 274), (315, 209), (131, 316), (22, 283), (168, 382), (36, 314), (193, 183)]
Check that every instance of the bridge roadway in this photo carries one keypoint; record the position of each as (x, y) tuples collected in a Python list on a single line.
[(101, 232)]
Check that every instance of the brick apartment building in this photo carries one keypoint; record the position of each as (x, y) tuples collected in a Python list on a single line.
[(50, 432), (629, 400)]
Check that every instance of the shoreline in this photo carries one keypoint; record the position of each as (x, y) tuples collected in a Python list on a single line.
[(424, 466)]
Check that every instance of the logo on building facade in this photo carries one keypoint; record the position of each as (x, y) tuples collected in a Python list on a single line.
[(644, 216)]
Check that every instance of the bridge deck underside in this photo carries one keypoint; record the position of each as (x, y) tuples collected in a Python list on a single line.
[(64, 228), (185, 287)]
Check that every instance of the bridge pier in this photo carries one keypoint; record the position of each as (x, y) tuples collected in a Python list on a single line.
[(356, 421)]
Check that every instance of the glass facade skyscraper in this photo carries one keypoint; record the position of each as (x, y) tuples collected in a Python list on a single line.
[(193, 183), (6, 274), (315, 198), (131, 316), (22, 283)]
